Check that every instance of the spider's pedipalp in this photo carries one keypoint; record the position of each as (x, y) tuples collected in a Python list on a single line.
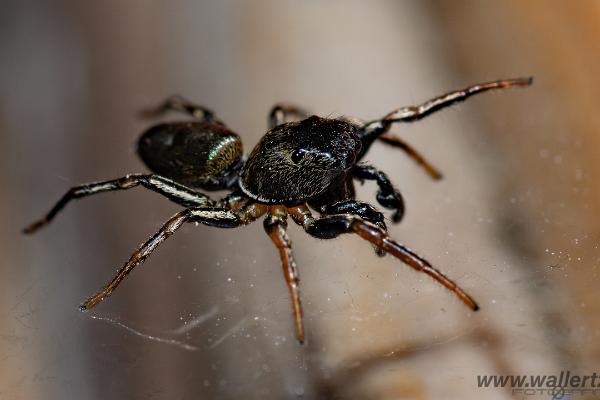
[(360, 209), (275, 225), (174, 191), (331, 226), (217, 217)]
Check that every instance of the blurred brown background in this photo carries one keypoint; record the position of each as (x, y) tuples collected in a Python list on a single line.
[(515, 220)]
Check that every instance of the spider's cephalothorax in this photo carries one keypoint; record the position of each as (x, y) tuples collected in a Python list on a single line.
[(296, 161), (301, 165)]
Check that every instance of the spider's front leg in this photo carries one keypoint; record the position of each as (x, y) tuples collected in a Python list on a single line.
[(217, 217), (415, 113), (374, 130), (331, 226), (276, 227), (387, 195), (174, 191)]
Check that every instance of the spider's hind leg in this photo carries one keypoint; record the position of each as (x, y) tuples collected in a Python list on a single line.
[(174, 191), (217, 217), (284, 112), (178, 103)]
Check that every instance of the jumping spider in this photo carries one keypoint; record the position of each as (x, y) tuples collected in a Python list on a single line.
[(308, 163)]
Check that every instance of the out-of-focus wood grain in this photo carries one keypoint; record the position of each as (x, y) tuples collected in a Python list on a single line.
[(519, 172), (555, 158)]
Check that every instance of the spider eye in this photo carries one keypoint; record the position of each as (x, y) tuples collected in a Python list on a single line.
[(297, 156)]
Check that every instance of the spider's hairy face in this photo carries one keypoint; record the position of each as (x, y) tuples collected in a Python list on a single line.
[(297, 161)]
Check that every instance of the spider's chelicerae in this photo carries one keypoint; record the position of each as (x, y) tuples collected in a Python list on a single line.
[(301, 165)]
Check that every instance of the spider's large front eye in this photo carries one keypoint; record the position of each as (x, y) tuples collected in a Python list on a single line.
[(298, 155)]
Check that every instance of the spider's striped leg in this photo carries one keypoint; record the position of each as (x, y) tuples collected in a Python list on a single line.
[(178, 103), (371, 131), (395, 141), (174, 191), (283, 112), (387, 195), (217, 217), (276, 227), (331, 226)]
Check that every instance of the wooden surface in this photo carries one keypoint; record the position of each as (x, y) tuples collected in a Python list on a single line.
[(514, 221)]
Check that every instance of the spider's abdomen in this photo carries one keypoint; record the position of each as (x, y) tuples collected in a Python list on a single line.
[(205, 155), (298, 161)]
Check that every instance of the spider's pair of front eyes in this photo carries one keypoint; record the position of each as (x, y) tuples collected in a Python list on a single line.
[(299, 155)]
